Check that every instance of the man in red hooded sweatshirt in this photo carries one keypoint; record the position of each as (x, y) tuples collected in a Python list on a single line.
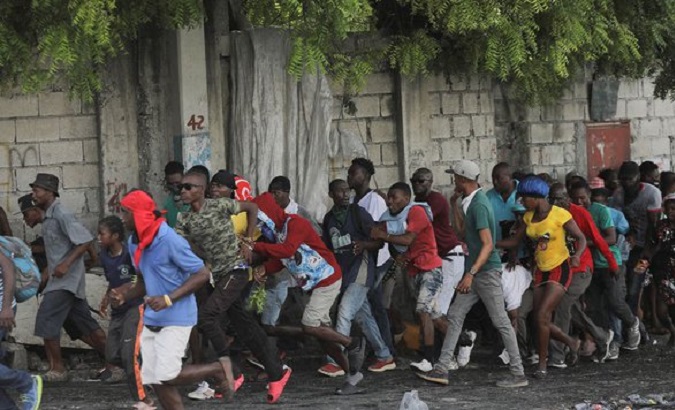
[(292, 243)]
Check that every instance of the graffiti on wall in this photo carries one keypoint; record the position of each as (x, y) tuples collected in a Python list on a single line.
[(197, 150), (115, 191)]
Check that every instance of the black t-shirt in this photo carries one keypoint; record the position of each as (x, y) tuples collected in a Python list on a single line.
[(118, 271)]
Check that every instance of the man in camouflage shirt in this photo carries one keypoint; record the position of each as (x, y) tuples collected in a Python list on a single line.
[(209, 229)]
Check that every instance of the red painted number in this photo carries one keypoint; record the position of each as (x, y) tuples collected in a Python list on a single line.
[(196, 122)]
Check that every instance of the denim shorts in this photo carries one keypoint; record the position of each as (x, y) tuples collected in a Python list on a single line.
[(429, 286)]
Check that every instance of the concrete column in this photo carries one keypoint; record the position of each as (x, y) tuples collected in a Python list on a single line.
[(118, 134), (193, 96)]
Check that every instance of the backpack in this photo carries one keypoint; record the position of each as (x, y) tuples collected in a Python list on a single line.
[(27, 273)]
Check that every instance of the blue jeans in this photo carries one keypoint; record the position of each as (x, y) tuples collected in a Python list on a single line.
[(11, 379), (617, 326), (274, 300), (355, 306), (634, 280), (375, 297)]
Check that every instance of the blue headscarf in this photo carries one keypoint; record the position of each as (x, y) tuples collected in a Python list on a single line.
[(533, 186)]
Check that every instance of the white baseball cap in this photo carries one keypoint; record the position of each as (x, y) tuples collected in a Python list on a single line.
[(465, 168)]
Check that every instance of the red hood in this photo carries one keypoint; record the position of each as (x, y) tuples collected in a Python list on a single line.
[(269, 206)]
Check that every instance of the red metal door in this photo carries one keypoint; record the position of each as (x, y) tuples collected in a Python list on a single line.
[(607, 145)]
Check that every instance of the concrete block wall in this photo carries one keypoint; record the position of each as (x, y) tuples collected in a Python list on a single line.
[(555, 132), (460, 125), (373, 125), (449, 121), (543, 139), (49, 132), (652, 122)]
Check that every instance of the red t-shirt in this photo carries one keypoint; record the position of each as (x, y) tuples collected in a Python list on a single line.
[(585, 222), (423, 254), (446, 239)]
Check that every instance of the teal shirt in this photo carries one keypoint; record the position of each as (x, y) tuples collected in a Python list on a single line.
[(603, 220), (503, 210), (479, 215), (172, 209)]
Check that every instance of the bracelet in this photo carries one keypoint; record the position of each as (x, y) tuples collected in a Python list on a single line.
[(167, 300)]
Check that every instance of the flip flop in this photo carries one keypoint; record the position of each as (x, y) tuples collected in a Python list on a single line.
[(348, 389)]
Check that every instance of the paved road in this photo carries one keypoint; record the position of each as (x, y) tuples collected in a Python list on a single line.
[(650, 370)]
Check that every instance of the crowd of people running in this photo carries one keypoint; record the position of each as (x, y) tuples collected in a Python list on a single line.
[(562, 270)]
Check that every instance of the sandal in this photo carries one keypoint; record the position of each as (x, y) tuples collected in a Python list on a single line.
[(540, 374), (54, 376), (227, 386)]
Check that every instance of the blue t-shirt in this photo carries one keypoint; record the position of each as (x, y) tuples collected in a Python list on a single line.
[(503, 210), (166, 265), (118, 271)]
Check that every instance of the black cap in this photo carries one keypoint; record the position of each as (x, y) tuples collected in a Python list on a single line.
[(26, 203), (224, 177), (47, 181)]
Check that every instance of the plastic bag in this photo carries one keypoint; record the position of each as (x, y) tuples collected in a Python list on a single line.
[(411, 401)]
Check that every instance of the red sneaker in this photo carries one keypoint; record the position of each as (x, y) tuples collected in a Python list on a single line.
[(382, 365), (274, 389), (331, 370)]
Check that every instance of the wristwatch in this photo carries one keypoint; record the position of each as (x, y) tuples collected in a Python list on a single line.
[(473, 271)]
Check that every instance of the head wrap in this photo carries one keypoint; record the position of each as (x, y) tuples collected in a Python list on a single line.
[(146, 219), (533, 186), (242, 190), (596, 183)]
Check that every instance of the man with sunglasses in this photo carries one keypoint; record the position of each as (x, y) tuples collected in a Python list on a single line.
[(208, 227), (173, 175), (569, 308)]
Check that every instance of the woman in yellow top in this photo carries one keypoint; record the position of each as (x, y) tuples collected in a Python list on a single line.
[(547, 226)]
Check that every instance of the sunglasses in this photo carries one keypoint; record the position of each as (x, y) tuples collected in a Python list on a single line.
[(187, 186)]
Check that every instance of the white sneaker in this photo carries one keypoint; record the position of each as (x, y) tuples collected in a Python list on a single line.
[(464, 354), (203, 392), (533, 359), (505, 357), (423, 366)]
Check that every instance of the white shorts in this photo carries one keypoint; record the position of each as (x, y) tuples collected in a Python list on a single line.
[(163, 352), (514, 284), (453, 271)]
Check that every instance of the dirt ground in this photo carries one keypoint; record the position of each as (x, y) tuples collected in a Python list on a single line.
[(650, 370)]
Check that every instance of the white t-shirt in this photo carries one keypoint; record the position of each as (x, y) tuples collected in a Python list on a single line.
[(375, 205), (514, 283)]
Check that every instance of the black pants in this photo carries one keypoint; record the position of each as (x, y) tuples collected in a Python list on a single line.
[(123, 347), (226, 299), (607, 285)]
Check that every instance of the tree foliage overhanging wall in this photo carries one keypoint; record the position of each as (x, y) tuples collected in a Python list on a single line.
[(536, 45)]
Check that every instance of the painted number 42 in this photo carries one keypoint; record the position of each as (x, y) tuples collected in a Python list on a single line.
[(196, 122)]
